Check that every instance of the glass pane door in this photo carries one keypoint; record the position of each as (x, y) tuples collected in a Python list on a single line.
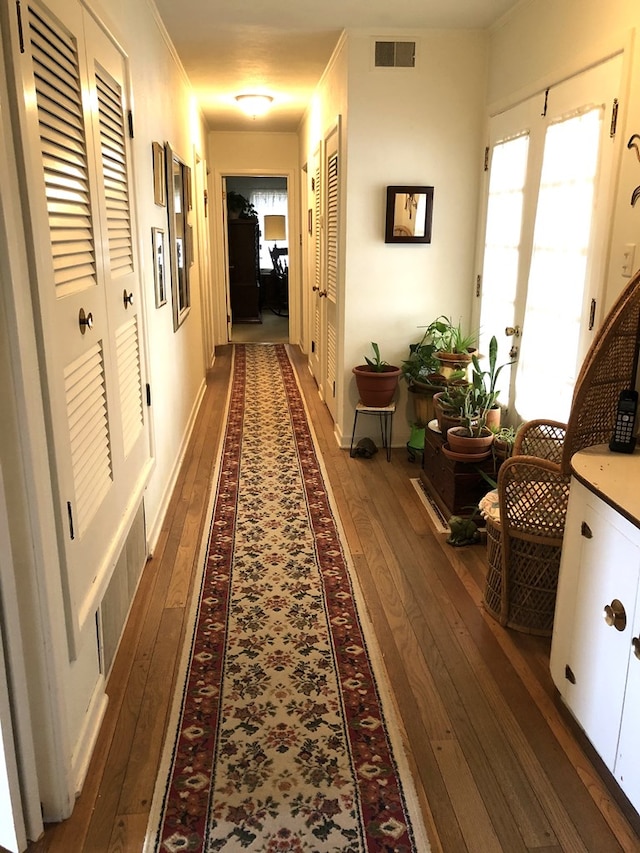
[(543, 261)]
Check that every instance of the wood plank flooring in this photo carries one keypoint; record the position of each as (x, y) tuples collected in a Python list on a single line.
[(498, 762)]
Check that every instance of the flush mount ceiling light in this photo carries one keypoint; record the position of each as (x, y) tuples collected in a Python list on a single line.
[(254, 105)]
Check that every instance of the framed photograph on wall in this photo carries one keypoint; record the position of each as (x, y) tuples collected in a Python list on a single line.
[(159, 269), (159, 175)]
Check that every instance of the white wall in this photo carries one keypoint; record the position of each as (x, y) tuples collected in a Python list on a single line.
[(253, 153), (420, 126)]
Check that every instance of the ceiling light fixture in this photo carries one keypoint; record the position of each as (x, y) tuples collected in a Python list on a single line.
[(254, 105)]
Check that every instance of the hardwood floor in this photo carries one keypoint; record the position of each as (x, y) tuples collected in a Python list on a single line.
[(498, 762)]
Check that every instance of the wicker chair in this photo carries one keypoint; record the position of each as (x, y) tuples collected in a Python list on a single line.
[(525, 525), (525, 516)]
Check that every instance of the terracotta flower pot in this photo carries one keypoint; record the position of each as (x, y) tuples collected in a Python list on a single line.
[(459, 442), (445, 417), (376, 388)]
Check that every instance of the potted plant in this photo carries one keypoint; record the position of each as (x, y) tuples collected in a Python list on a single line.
[(503, 441), (240, 207), (376, 380), (453, 346), (421, 373), (488, 379), (473, 437)]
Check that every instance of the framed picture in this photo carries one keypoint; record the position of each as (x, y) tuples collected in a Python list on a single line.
[(409, 214), (159, 175), (159, 269)]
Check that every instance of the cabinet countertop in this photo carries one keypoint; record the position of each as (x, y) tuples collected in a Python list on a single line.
[(614, 477)]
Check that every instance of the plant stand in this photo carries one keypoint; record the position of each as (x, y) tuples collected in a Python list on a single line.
[(385, 413)]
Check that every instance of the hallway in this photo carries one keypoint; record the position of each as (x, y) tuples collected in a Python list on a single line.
[(492, 750)]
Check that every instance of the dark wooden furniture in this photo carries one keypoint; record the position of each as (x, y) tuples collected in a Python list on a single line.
[(456, 487), (244, 270)]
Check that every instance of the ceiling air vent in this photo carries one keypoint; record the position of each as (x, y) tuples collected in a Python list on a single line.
[(395, 54)]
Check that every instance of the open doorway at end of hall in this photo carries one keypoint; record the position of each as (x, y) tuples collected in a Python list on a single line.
[(258, 258)]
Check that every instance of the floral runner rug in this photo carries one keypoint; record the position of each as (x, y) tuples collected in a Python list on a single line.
[(279, 741)]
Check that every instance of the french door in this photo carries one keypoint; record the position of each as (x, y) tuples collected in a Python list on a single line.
[(549, 195)]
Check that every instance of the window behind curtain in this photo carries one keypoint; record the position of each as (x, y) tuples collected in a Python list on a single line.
[(268, 203)]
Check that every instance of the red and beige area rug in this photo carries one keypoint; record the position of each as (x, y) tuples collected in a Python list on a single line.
[(280, 741)]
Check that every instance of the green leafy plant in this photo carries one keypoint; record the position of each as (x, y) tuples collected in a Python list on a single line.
[(422, 366), (488, 379), (376, 363), (448, 336)]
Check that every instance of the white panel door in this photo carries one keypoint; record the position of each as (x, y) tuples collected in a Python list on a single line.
[(77, 173)]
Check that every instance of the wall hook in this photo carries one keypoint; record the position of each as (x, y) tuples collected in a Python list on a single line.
[(633, 143)]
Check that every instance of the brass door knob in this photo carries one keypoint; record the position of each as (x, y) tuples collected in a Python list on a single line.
[(615, 615), (85, 321), (512, 331)]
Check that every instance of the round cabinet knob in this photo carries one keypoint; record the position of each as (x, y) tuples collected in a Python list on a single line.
[(127, 298), (85, 321), (512, 331), (635, 645), (615, 615), (315, 287)]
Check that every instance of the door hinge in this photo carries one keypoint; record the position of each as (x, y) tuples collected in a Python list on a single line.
[(130, 123), (614, 118), (592, 314), (72, 535), (334, 388), (478, 286), (313, 346), (148, 388), (546, 104), (20, 31), (486, 159)]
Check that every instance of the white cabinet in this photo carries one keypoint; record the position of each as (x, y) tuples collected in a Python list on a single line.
[(593, 660)]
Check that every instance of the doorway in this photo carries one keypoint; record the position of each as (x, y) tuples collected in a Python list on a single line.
[(258, 258)]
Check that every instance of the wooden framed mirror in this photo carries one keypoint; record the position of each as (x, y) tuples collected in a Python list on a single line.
[(409, 214)]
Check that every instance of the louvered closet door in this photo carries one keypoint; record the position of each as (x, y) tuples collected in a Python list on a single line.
[(79, 193), (316, 301), (330, 288)]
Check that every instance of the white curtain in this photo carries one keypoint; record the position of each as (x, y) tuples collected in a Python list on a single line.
[(268, 203)]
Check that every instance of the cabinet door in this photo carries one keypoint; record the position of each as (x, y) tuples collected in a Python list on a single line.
[(627, 769), (599, 652)]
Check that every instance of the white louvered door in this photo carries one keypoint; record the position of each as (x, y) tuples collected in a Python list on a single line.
[(316, 301), (330, 285), (78, 179)]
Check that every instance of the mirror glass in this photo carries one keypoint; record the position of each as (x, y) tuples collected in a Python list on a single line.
[(409, 213)]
